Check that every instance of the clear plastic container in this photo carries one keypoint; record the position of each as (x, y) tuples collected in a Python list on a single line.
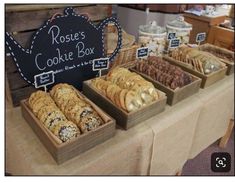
[(153, 37), (181, 28)]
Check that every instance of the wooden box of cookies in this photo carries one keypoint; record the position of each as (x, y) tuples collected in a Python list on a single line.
[(201, 64), (172, 80), (225, 55), (64, 146), (128, 106)]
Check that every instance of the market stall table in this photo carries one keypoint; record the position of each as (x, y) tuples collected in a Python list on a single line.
[(158, 146)]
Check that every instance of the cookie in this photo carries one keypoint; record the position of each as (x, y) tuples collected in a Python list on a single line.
[(132, 101), (66, 131), (89, 122)]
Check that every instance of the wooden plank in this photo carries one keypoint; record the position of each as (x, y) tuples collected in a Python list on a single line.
[(16, 81), (10, 65), (24, 38), (9, 103), (22, 21), (221, 37), (124, 119), (224, 140), (25, 7), (64, 151), (20, 94), (209, 20)]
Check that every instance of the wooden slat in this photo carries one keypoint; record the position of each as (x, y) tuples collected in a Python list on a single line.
[(20, 94), (24, 38), (16, 81), (9, 103), (22, 21), (10, 66), (26, 7)]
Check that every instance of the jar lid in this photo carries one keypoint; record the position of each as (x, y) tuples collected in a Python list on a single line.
[(179, 23), (152, 28)]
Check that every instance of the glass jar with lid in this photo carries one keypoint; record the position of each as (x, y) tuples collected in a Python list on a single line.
[(180, 28), (153, 37)]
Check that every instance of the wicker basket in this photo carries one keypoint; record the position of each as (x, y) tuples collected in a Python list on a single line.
[(125, 55)]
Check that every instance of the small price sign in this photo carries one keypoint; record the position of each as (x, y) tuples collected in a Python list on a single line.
[(44, 79), (200, 37), (174, 43), (100, 64), (142, 52), (171, 35)]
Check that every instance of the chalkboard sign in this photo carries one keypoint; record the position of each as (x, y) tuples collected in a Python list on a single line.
[(171, 35), (174, 43), (100, 64), (142, 52), (44, 79), (200, 37), (66, 45)]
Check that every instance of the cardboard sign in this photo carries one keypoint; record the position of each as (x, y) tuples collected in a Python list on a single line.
[(44, 79), (142, 52), (66, 45), (171, 35), (174, 43), (200, 37)]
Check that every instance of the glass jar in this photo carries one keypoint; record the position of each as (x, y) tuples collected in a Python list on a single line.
[(153, 37), (180, 28)]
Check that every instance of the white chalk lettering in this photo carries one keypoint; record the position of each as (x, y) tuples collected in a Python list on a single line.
[(57, 38), (82, 51), (36, 62), (59, 58), (53, 37)]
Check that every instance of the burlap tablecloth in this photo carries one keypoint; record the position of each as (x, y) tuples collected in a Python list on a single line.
[(173, 135), (127, 153), (159, 146), (217, 110)]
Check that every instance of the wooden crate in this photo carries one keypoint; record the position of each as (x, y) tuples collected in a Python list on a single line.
[(62, 152), (207, 80), (124, 119), (174, 96), (22, 21), (207, 47)]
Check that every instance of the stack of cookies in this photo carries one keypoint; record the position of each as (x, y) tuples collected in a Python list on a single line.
[(75, 108), (200, 61), (50, 115), (126, 89), (162, 71)]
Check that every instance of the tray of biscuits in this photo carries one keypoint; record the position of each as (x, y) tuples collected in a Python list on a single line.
[(174, 81), (66, 122), (126, 96), (199, 63), (226, 56)]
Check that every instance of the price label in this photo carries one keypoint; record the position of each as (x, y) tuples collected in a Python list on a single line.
[(174, 43), (200, 37), (142, 52), (171, 35), (44, 79), (100, 64)]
